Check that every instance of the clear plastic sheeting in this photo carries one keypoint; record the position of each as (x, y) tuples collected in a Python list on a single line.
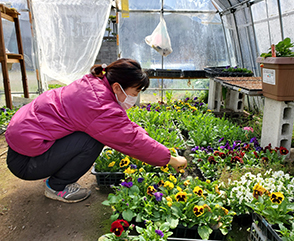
[(196, 44), (199, 5), (69, 35)]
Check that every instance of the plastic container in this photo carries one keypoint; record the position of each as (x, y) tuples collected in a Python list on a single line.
[(256, 234), (277, 77), (266, 228), (106, 179), (168, 72), (194, 73), (150, 72), (192, 233), (212, 72)]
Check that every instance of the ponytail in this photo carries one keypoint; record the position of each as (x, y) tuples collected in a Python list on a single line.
[(96, 70), (126, 72)]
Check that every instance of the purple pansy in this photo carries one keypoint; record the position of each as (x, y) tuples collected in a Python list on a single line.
[(140, 179), (159, 232), (127, 184), (158, 196)]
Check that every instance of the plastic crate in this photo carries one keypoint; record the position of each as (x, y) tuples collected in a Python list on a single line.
[(192, 233), (266, 228), (212, 72), (150, 72), (106, 179), (168, 72), (256, 234), (194, 73)]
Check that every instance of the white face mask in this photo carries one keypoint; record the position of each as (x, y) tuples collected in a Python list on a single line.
[(128, 102)]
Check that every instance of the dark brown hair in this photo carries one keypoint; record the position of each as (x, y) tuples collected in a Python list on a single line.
[(126, 72)]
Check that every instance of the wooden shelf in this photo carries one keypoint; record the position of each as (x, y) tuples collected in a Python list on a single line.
[(7, 59)]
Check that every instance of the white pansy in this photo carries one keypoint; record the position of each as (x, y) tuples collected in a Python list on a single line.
[(287, 176)]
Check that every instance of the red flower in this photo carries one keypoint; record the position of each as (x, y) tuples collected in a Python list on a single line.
[(118, 226), (216, 153), (212, 160), (255, 154), (222, 155), (246, 148), (264, 160), (283, 151), (236, 159)]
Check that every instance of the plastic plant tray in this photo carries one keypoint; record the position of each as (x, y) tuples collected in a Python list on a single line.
[(168, 72), (106, 179)]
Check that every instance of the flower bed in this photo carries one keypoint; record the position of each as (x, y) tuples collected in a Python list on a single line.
[(203, 207)]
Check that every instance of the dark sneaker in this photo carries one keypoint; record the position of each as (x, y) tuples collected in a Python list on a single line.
[(72, 193)]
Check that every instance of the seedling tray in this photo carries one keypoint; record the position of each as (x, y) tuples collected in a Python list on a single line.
[(168, 72), (106, 179), (194, 73)]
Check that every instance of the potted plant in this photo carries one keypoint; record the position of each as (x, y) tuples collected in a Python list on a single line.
[(277, 72)]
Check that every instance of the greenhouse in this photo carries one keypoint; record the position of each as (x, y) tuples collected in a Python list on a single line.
[(147, 120)]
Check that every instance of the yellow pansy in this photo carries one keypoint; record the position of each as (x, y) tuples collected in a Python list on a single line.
[(169, 185), (187, 182), (172, 178), (130, 170), (111, 164)]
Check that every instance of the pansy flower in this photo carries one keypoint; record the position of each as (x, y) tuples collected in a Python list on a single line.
[(169, 185), (222, 155), (159, 232), (283, 151), (129, 170), (140, 179), (124, 162), (160, 183), (164, 168), (198, 191), (172, 178), (258, 190), (198, 210), (158, 196), (181, 196), (111, 164), (277, 197), (151, 190), (127, 184), (264, 160), (118, 226), (212, 160), (187, 183)]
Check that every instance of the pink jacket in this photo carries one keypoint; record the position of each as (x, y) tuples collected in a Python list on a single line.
[(88, 105)]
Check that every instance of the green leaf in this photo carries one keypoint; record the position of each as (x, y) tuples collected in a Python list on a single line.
[(204, 232), (174, 223), (106, 203), (128, 215)]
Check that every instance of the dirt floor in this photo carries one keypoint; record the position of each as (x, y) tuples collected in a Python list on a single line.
[(26, 214)]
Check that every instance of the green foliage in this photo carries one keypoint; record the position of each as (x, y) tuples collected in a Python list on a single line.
[(153, 231), (283, 49), (237, 69), (55, 86), (6, 115)]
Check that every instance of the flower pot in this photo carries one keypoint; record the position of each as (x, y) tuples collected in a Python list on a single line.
[(106, 179), (277, 77)]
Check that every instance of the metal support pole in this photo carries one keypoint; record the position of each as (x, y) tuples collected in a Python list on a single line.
[(280, 18), (35, 47)]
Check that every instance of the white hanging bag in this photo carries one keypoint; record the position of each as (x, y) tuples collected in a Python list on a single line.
[(159, 39)]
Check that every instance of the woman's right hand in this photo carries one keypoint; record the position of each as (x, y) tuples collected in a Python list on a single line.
[(178, 162)]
